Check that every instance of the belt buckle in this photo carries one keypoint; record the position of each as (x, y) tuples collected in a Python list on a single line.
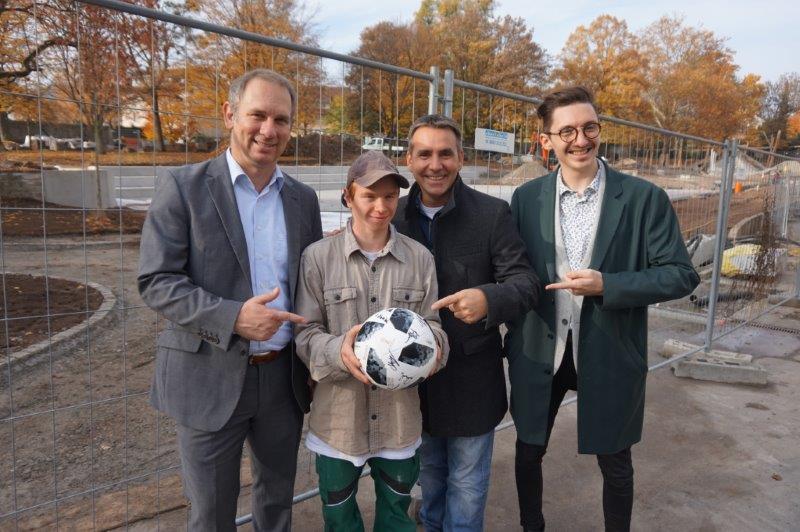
[(264, 357)]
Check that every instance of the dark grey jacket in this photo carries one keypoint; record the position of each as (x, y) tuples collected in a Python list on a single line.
[(194, 271), (475, 245)]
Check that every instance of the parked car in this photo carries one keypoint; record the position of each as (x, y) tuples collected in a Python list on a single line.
[(382, 144), (126, 144), (78, 144), (39, 140)]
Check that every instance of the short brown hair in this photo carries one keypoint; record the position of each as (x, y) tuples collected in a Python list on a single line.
[(238, 85), (437, 122), (561, 98)]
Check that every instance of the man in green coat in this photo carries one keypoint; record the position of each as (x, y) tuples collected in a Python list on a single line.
[(606, 245)]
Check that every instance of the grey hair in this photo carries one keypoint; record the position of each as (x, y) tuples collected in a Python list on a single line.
[(239, 84), (434, 121)]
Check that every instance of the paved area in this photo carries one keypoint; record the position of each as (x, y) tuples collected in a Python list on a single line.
[(714, 456)]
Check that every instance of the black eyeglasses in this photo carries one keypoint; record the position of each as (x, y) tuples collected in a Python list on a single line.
[(569, 133)]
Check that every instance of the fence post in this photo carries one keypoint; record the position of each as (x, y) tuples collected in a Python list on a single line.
[(448, 93), (433, 91), (797, 280), (786, 206), (721, 236)]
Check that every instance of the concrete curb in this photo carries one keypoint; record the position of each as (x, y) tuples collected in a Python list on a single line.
[(729, 368), (740, 226), (102, 315), (716, 365)]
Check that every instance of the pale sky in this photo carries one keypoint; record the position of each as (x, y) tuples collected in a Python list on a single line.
[(763, 35)]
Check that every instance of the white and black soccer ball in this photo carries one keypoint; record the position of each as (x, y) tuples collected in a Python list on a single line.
[(396, 348)]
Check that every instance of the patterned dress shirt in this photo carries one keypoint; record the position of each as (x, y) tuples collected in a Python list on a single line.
[(578, 213)]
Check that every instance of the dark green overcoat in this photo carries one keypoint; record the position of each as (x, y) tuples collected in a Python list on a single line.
[(643, 259)]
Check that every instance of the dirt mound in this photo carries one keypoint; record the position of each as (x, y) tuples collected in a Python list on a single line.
[(523, 173)]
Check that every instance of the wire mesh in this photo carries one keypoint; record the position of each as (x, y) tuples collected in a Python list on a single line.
[(125, 98), (688, 169), (762, 239), (85, 449)]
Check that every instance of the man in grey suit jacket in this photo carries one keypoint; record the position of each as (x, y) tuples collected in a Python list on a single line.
[(219, 260)]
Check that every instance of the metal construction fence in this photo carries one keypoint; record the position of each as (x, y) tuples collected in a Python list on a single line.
[(82, 447)]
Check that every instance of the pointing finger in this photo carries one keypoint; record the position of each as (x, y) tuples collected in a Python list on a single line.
[(288, 316), (445, 301), (560, 286)]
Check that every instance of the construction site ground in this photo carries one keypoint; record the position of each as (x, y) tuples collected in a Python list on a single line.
[(713, 456)]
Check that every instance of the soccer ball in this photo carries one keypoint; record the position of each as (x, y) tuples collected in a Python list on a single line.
[(396, 348)]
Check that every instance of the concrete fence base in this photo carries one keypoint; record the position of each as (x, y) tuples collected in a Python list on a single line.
[(70, 188)]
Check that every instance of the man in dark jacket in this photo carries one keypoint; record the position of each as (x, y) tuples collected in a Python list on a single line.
[(484, 280), (606, 245)]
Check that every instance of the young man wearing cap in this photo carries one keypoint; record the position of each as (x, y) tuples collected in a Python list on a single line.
[(344, 279)]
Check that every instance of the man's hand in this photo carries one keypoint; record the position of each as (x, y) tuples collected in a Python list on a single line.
[(470, 305), (580, 283), (349, 358), (258, 322)]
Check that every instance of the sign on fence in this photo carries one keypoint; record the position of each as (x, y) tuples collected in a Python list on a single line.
[(492, 140)]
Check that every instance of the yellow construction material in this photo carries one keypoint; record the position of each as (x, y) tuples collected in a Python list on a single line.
[(742, 260)]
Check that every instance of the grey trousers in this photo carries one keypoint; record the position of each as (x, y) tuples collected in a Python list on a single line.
[(268, 418)]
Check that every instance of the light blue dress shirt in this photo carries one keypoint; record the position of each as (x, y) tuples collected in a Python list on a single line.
[(265, 231)]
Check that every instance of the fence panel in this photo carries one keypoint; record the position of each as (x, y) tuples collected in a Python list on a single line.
[(759, 263), (689, 169), (83, 447)]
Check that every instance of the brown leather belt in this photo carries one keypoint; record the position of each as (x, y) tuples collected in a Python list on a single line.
[(264, 358)]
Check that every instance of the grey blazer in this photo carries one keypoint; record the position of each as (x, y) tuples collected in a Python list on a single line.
[(194, 271)]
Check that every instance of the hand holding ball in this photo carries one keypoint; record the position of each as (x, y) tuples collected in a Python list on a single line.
[(396, 348)]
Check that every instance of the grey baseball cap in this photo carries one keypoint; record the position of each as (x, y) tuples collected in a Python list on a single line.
[(371, 167)]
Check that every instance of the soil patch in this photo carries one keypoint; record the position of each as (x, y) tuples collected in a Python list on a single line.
[(308, 150), (32, 309), (31, 218), (34, 159)]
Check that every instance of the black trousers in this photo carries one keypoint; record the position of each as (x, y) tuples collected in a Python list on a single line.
[(617, 468)]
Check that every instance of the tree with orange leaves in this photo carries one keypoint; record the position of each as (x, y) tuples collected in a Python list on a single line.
[(694, 87), (95, 74), (30, 33), (604, 57), (152, 46), (781, 102), (216, 60)]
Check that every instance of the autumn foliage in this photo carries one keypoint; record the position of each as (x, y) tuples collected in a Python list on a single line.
[(669, 74), (67, 62)]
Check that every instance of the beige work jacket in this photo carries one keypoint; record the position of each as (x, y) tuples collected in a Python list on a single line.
[(337, 289)]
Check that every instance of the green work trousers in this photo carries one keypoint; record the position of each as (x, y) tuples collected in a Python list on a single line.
[(338, 485)]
